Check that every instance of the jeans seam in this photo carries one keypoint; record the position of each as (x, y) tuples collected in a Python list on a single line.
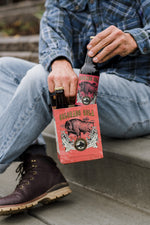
[(13, 77), (7, 72), (134, 124)]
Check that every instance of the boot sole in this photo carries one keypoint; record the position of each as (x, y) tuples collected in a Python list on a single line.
[(44, 199)]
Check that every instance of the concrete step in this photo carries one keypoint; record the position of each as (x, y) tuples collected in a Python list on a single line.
[(24, 47), (123, 174), (19, 43), (82, 207), (30, 56), (15, 10)]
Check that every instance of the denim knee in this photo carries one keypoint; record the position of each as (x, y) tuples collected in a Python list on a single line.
[(5, 63), (123, 107), (36, 82), (14, 68)]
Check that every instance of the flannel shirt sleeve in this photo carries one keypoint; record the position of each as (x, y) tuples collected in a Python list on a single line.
[(142, 35), (55, 34)]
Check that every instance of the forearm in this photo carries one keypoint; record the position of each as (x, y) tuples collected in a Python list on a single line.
[(55, 35), (142, 33), (142, 38)]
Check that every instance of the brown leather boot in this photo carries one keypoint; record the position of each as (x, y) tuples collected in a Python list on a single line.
[(41, 182)]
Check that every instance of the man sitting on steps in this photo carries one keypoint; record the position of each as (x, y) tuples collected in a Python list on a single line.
[(121, 48)]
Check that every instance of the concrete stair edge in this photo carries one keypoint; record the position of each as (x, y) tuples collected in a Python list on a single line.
[(20, 5), (30, 56), (21, 8), (19, 39), (82, 207), (19, 43)]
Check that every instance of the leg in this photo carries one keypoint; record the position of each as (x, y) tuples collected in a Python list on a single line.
[(20, 124), (27, 113), (12, 71), (123, 107)]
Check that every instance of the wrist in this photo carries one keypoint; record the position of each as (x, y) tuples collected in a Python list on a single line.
[(60, 61)]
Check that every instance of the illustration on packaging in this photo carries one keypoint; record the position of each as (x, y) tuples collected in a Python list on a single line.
[(78, 133), (87, 89), (77, 128)]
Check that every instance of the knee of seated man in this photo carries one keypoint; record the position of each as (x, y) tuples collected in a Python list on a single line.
[(5, 62), (36, 77)]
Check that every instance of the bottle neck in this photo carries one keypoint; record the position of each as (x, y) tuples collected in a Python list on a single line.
[(89, 60), (89, 67)]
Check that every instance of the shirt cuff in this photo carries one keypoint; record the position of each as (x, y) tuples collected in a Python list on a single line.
[(142, 39), (47, 58)]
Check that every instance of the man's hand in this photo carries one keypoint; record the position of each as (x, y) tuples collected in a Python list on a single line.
[(62, 75), (111, 42)]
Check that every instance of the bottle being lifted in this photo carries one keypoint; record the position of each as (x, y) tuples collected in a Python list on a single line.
[(61, 101), (58, 99), (88, 82)]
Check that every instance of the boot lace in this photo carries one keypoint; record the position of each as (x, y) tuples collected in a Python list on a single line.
[(25, 173)]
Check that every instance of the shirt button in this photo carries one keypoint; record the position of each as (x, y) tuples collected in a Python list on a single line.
[(77, 7)]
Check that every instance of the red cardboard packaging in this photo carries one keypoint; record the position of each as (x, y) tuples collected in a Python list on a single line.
[(78, 135)]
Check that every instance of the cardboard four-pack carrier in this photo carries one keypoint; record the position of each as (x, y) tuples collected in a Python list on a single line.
[(78, 135)]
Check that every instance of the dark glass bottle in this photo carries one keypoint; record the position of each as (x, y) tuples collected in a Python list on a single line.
[(89, 67), (88, 83), (53, 99), (61, 101)]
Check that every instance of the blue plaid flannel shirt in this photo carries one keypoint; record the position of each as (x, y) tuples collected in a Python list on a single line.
[(66, 27)]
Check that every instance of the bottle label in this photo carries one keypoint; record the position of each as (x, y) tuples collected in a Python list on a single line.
[(87, 89)]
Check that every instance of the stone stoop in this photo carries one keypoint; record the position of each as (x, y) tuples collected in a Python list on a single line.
[(11, 11), (24, 47), (123, 174)]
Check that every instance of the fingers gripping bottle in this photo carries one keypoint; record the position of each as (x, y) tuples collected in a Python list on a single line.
[(88, 82)]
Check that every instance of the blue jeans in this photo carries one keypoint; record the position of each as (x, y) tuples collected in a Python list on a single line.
[(25, 107)]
